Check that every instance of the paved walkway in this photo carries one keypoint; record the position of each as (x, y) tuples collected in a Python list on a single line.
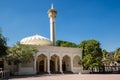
[(71, 77)]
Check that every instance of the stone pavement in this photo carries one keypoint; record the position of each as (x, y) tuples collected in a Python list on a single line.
[(71, 77)]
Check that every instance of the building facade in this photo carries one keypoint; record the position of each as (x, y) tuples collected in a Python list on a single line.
[(49, 58), (53, 59)]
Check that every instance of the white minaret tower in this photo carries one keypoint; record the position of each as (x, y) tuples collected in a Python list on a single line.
[(52, 15)]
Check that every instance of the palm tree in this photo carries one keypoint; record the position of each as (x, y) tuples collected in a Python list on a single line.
[(107, 58), (117, 55)]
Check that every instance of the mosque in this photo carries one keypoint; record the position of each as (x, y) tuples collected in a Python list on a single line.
[(49, 58)]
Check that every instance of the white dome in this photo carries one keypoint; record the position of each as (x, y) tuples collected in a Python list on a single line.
[(36, 40)]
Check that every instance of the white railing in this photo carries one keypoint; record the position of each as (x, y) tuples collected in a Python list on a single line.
[(4, 75)]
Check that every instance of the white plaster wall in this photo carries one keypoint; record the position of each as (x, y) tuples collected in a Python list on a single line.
[(59, 51), (77, 69), (26, 71)]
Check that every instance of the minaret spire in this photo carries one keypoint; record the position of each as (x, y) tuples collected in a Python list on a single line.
[(52, 6), (52, 15)]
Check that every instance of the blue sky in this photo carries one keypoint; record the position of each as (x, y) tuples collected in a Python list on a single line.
[(77, 20)]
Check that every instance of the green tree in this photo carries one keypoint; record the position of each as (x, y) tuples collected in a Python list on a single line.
[(117, 55), (105, 54), (21, 53), (65, 44), (107, 58), (92, 53), (3, 45)]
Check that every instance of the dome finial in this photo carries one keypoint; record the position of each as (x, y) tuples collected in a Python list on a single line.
[(52, 6), (36, 34)]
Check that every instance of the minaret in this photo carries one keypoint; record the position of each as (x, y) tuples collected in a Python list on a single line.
[(52, 15)]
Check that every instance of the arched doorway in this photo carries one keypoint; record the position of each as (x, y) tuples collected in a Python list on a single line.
[(41, 66), (66, 64), (52, 66), (41, 63), (54, 63), (76, 61)]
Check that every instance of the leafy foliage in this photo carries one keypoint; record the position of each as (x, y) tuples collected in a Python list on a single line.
[(92, 54), (21, 53), (65, 44), (107, 58), (3, 45), (117, 55)]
